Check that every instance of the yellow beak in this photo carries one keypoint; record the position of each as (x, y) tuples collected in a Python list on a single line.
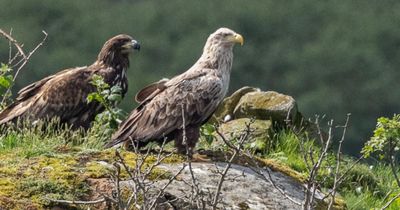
[(238, 39)]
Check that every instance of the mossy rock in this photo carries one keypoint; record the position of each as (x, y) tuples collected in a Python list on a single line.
[(228, 105), (31, 181), (232, 130), (268, 105)]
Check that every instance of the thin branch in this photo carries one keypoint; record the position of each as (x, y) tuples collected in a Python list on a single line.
[(101, 200), (338, 159), (26, 58), (162, 190), (237, 150), (9, 48), (390, 202), (391, 162), (15, 43), (258, 170)]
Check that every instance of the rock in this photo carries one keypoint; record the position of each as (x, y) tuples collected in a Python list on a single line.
[(242, 189), (229, 103), (268, 105), (232, 130)]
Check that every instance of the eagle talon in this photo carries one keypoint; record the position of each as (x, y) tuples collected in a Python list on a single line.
[(197, 157)]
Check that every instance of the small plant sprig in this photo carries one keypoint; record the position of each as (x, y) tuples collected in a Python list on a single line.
[(109, 97), (207, 132), (386, 138), (386, 142), (6, 82)]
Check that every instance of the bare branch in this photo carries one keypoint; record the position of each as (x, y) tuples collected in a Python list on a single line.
[(15, 43), (170, 180), (237, 150), (338, 159), (25, 57), (101, 200), (258, 170), (390, 202)]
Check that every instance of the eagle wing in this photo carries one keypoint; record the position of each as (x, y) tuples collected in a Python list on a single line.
[(192, 97), (60, 95), (150, 91), (33, 88)]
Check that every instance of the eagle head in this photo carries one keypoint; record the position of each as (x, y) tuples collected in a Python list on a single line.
[(225, 37), (117, 48)]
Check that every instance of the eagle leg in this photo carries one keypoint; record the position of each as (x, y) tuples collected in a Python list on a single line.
[(192, 136)]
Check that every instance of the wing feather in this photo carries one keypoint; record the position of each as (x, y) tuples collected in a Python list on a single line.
[(151, 90), (60, 95), (159, 116)]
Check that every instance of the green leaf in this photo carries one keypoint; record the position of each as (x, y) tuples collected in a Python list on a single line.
[(5, 82), (4, 68), (115, 97), (94, 97), (116, 89)]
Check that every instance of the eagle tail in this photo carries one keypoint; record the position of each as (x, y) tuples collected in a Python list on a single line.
[(126, 129), (113, 143), (10, 113)]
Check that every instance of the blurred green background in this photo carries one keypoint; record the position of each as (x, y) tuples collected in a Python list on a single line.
[(333, 57)]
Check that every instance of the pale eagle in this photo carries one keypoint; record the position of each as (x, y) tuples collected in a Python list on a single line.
[(170, 108)]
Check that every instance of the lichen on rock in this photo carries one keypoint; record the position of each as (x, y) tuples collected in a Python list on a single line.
[(268, 105)]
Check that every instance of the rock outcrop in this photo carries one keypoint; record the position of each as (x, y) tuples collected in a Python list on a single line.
[(243, 188), (249, 102)]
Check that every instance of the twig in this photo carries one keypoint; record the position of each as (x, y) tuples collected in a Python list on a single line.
[(390, 202), (101, 200), (391, 162), (162, 190), (237, 150), (341, 178), (338, 158), (15, 43), (9, 48), (257, 169), (25, 57)]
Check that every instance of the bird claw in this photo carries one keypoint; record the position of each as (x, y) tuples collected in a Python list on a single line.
[(197, 157)]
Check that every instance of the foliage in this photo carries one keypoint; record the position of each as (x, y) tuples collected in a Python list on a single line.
[(6, 82), (107, 121), (386, 142), (386, 139), (207, 134)]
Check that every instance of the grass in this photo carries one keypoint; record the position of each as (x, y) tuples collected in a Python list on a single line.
[(39, 162), (365, 186), (61, 160)]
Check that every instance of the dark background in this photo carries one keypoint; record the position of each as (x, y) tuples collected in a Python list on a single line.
[(333, 57)]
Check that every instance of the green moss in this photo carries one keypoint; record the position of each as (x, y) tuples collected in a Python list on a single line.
[(7, 170), (276, 166), (7, 186), (96, 170)]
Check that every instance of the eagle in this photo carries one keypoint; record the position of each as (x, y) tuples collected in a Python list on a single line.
[(64, 95), (174, 109)]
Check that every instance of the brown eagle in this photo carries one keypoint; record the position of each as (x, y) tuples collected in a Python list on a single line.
[(170, 108), (64, 94)]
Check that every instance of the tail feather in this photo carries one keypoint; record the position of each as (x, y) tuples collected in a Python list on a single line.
[(14, 111), (125, 130)]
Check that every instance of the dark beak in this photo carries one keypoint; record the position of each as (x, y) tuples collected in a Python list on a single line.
[(135, 45)]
